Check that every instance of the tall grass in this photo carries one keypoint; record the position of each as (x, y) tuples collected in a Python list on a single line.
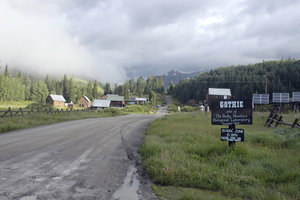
[(27, 121), (186, 150), (4, 105), (142, 109)]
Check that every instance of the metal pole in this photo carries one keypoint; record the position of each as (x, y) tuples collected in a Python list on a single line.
[(231, 143), (266, 90)]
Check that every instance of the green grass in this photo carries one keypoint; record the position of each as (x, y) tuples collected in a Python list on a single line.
[(27, 121), (4, 105), (185, 150), (180, 193), (141, 109)]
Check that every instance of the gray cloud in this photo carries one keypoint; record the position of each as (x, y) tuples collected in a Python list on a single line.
[(113, 40)]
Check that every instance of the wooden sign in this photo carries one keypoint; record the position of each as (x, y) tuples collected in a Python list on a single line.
[(232, 135), (231, 112)]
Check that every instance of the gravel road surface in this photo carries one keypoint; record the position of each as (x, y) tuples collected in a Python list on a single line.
[(83, 159)]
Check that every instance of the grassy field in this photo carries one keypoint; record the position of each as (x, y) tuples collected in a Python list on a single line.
[(14, 104), (186, 159), (21, 122), (138, 109)]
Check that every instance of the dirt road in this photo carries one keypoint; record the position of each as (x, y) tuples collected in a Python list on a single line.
[(84, 159)]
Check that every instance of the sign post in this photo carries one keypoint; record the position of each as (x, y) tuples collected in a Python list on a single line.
[(231, 112)]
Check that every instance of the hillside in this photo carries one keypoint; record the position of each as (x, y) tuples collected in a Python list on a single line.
[(243, 80)]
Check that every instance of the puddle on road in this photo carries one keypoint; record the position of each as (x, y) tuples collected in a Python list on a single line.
[(40, 179), (56, 178), (129, 189), (29, 198)]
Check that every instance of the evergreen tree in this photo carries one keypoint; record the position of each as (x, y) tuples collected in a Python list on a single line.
[(71, 92), (125, 90), (65, 92), (95, 91), (84, 93), (27, 83), (116, 88), (170, 88), (161, 84), (39, 91), (89, 90), (48, 83), (140, 85), (6, 71), (19, 76), (79, 95), (131, 83), (107, 89)]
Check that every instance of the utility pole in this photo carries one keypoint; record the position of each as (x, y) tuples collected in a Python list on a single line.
[(266, 89)]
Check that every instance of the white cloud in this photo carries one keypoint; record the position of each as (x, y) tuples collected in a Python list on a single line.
[(110, 39)]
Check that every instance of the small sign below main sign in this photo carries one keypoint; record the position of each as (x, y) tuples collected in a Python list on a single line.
[(232, 135)]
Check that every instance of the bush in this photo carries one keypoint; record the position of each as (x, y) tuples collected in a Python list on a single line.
[(113, 111), (187, 109), (134, 109), (40, 106)]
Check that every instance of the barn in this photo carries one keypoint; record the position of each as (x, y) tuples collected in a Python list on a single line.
[(116, 101)]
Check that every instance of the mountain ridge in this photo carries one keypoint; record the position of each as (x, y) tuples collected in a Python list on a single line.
[(175, 76)]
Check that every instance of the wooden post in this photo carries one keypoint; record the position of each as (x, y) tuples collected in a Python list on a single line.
[(231, 143), (9, 110), (21, 111), (295, 123), (278, 121)]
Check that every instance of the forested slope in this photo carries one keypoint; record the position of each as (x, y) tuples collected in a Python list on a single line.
[(19, 87), (243, 80)]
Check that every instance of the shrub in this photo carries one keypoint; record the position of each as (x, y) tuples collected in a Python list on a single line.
[(113, 111), (40, 106)]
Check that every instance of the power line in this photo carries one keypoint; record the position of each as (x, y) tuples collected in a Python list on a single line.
[(295, 27)]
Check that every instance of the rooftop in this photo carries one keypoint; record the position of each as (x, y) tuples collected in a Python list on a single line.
[(219, 91), (55, 97)]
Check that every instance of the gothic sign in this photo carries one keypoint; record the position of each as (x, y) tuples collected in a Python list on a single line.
[(231, 112)]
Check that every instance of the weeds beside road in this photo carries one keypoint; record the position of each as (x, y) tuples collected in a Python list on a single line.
[(185, 150), (37, 119), (21, 122)]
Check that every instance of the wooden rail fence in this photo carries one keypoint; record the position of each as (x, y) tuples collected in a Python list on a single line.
[(275, 118), (20, 112)]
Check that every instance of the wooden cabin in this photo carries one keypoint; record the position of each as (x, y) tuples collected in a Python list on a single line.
[(56, 100), (84, 102), (217, 93)]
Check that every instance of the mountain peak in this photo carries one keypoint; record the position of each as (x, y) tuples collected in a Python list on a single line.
[(175, 76)]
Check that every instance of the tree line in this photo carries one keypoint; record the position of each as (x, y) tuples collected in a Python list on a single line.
[(19, 87), (282, 76), (139, 87)]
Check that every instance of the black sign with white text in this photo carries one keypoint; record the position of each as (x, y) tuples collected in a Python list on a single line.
[(233, 135), (231, 112)]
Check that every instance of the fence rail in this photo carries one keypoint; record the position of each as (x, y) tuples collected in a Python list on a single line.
[(20, 112), (275, 118)]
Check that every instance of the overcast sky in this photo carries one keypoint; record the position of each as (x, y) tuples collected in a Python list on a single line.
[(114, 40)]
